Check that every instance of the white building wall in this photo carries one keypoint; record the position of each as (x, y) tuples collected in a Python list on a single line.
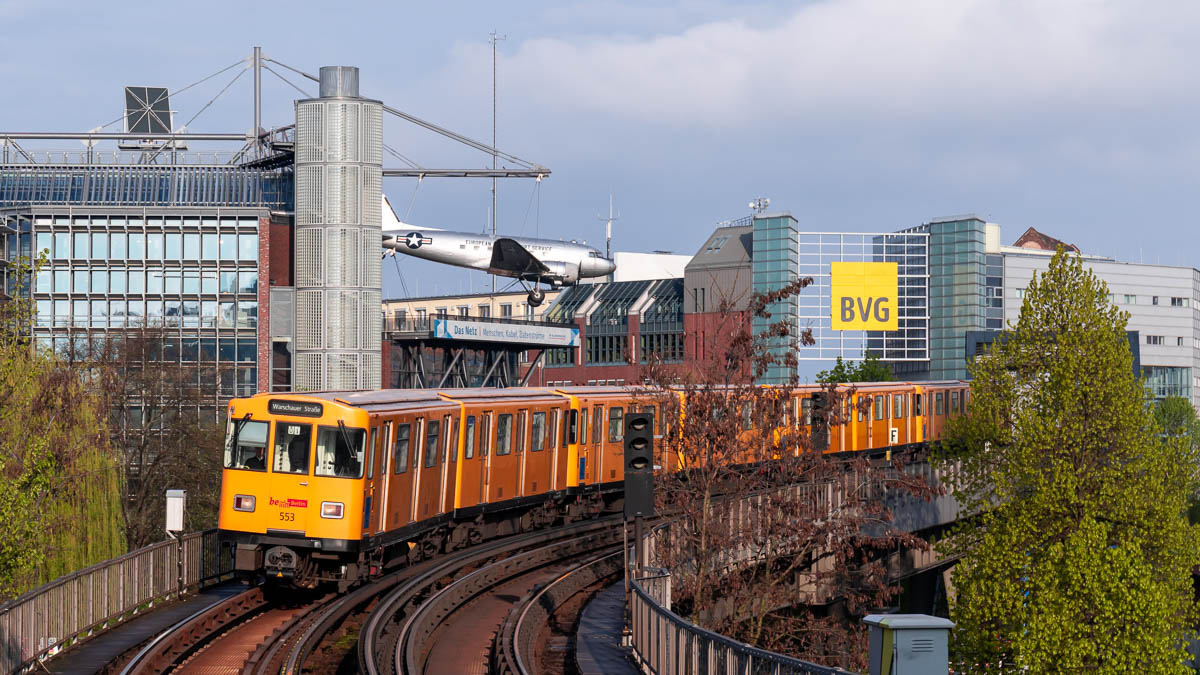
[(645, 267), (1143, 283)]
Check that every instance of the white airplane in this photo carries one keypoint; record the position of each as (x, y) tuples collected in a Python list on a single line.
[(529, 260)]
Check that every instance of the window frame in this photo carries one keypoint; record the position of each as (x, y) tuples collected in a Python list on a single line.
[(400, 461)]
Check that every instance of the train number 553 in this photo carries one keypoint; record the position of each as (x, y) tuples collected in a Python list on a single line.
[(286, 516)]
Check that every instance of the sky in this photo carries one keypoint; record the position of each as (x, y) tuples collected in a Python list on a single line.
[(1077, 117)]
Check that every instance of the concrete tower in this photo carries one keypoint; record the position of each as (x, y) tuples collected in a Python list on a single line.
[(339, 163)]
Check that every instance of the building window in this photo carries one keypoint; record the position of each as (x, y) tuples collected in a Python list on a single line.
[(1163, 381), (1020, 293), (441, 312), (485, 311), (1154, 300), (506, 311), (1154, 339), (1179, 302), (463, 310), (1178, 342), (1130, 299)]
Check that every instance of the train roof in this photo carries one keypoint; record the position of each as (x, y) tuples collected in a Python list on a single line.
[(497, 394)]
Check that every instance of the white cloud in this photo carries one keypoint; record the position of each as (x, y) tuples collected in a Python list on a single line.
[(840, 60)]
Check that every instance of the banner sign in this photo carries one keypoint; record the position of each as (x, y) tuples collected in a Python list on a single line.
[(481, 331), (863, 295)]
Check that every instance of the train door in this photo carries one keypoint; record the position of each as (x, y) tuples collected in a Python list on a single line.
[(487, 433), (538, 458), (556, 434), (401, 483), (450, 462), (522, 433), (614, 447), (581, 450), (429, 490), (417, 472), (596, 450), (504, 475), (370, 519), (291, 466), (470, 484)]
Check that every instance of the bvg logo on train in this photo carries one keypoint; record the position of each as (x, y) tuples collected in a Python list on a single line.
[(863, 295)]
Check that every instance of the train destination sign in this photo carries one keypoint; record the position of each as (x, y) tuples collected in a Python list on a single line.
[(480, 331), (295, 408), (863, 295)]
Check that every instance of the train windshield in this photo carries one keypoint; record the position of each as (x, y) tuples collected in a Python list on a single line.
[(340, 451), (246, 444)]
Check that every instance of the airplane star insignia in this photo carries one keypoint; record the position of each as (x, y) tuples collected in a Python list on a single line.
[(415, 240)]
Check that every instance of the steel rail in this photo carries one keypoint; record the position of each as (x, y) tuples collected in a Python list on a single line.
[(438, 608), (166, 648), (375, 646), (519, 630)]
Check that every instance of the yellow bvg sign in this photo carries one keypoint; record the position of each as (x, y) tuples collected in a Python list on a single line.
[(863, 295)]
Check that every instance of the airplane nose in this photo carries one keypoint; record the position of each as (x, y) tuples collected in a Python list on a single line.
[(608, 265)]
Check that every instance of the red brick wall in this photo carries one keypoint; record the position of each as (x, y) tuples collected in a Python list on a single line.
[(264, 304)]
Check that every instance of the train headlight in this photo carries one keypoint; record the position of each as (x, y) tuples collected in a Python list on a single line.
[(332, 509), (243, 502)]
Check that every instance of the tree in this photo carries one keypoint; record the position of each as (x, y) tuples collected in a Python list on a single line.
[(754, 554), (1176, 416), (60, 489), (164, 426), (871, 369), (1080, 555)]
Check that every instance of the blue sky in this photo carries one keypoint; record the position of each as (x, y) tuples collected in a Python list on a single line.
[(1075, 117)]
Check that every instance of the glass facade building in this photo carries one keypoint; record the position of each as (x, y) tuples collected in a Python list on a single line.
[(170, 247), (194, 273), (775, 259), (909, 250), (958, 300)]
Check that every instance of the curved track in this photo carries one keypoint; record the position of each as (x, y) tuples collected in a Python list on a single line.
[(479, 587)]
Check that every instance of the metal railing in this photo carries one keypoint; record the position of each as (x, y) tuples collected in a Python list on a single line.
[(79, 605), (665, 642), (412, 324)]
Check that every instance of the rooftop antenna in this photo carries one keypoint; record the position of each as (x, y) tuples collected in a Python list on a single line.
[(608, 227), (759, 204), (257, 57), (494, 39)]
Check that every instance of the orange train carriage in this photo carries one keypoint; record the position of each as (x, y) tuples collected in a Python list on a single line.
[(336, 486)]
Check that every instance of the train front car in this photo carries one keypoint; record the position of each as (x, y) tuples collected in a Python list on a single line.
[(292, 487)]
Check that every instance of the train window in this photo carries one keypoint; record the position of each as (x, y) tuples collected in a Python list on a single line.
[(400, 448), (432, 429), (340, 451), (954, 401), (246, 445), (898, 406), (597, 423), (916, 405), (857, 406), (880, 408), (521, 417), (470, 442), (616, 424), (537, 432), (571, 428), (292, 442), (939, 404), (649, 410), (504, 434), (486, 441), (806, 406), (552, 430), (371, 453), (747, 415), (583, 426), (451, 445)]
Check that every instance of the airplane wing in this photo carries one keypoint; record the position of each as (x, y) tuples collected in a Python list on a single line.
[(512, 259)]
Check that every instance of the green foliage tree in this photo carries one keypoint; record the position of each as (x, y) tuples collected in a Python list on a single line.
[(1081, 554), (1177, 417), (870, 369), (60, 496)]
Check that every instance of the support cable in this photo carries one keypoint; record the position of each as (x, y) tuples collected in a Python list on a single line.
[(289, 82), (180, 91), (214, 98), (482, 147), (413, 201)]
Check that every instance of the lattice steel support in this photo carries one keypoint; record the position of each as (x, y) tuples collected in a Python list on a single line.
[(339, 163)]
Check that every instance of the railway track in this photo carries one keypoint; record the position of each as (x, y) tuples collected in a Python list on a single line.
[(446, 619), (403, 614)]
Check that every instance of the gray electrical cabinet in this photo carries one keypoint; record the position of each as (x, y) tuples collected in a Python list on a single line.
[(909, 644)]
